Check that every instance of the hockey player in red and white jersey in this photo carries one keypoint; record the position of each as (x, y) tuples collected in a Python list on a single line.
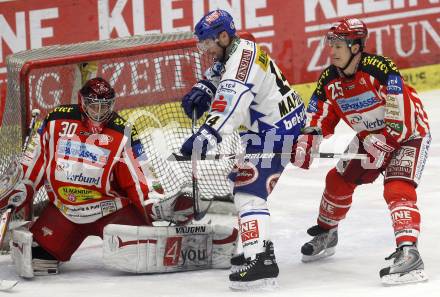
[(88, 159), (244, 87), (368, 93)]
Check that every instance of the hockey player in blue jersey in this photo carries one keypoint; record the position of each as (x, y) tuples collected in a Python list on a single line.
[(245, 88)]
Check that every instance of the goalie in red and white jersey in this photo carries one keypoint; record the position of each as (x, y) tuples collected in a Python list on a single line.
[(88, 159), (368, 93)]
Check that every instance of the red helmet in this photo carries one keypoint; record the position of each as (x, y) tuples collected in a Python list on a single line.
[(352, 31), (97, 99)]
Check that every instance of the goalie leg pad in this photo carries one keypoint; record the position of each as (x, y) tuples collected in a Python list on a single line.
[(21, 252), (167, 249), (224, 246)]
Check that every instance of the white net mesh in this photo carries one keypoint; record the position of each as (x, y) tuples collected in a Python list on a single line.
[(150, 75)]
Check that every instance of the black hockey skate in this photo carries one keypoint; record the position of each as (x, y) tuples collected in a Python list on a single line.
[(259, 273), (237, 262), (407, 267), (321, 246)]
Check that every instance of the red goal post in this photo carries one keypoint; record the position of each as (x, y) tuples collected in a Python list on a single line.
[(149, 73)]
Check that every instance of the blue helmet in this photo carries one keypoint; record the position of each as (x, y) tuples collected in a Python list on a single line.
[(213, 23)]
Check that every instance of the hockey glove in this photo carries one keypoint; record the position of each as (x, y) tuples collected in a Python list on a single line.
[(204, 140), (379, 147), (18, 195), (177, 209), (307, 145), (199, 98)]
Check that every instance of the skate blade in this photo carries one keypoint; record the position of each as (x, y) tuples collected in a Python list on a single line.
[(414, 276), (323, 254), (265, 284)]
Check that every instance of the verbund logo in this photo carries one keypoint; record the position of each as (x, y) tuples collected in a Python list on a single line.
[(78, 173), (358, 103)]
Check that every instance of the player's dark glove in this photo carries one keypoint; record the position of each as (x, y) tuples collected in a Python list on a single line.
[(201, 142), (199, 98)]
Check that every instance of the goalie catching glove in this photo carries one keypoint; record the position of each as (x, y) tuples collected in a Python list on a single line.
[(16, 198), (177, 209)]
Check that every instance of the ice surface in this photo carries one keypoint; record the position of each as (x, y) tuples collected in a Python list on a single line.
[(366, 237)]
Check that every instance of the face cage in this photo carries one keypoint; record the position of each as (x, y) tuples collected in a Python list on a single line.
[(204, 45), (98, 110), (331, 38)]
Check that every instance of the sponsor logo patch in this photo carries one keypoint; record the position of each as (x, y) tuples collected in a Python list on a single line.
[(78, 194), (247, 173), (313, 104), (289, 103), (107, 207), (249, 230), (262, 59), (271, 182), (78, 173), (222, 103), (402, 164), (394, 84), (244, 65), (294, 119), (173, 249), (358, 103), (82, 151)]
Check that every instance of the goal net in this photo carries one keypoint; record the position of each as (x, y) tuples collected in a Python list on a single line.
[(150, 75)]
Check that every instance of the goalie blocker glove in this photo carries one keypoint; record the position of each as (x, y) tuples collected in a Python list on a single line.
[(199, 143), (199, 98)]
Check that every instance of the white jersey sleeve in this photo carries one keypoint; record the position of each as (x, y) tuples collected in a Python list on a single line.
[(255, 94)]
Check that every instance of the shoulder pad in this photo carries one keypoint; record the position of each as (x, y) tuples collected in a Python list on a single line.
[(378, 66), (70, 112), (119, 124), (326, 76)]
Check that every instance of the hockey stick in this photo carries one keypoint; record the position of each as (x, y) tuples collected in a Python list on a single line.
[(211, 157), (198, 214), (4, 223), (12, 177), (6, 285), (13, 173)]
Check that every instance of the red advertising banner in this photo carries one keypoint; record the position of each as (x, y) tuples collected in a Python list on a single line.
[(293, 32)]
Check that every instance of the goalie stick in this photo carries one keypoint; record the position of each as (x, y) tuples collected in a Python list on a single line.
[(11, 177), (13, 173), (180, 158), (198, 214), (6, 285)]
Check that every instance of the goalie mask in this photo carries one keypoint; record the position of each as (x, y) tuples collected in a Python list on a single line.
[(97, 100)]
